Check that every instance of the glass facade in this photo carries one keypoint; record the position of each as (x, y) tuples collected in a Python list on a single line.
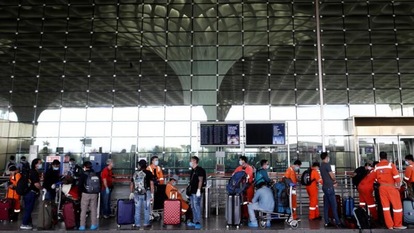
[(142, 74)]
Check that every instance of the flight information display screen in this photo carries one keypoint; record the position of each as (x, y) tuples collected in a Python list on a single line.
[(219, 134), (265, 134)]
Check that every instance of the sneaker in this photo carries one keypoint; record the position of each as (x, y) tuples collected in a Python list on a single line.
[(82, 228), (94, 227), (190, 224), (197, 226), (106, 216), (400, 227), (253, 224), (26, 227)]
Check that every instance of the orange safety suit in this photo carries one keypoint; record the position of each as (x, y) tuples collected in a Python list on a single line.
[(366, 198), (11, 192), (158, 173), (312, 190), (387, 176), (291, 174), (172, 192), (409, 173), (248, 195)]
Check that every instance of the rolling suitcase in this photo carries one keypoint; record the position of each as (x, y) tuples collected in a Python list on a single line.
[(348, 206), (233, 210), (172, 212), (338, 208), (125, 212), (408, 211), (6, 209), (71, 215), (46, 216)]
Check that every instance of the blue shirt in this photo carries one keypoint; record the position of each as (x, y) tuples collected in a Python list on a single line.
[(264, 196)]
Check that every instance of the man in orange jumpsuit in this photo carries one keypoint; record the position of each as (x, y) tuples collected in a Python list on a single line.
[(291, 173), (248, 195), (11, 193), (389, 181), (365, 189), (409, 174), (156, 170), (172, 192), (312, 190)]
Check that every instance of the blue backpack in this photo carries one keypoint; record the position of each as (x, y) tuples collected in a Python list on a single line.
[(281, 196), (237, 183), (259, 178)]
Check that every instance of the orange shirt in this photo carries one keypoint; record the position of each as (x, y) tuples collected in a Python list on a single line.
[(248, 170), (315, 177), (158, 171), (367, 183), (291, 174), (386, 173), (409, 173), (11, 193)]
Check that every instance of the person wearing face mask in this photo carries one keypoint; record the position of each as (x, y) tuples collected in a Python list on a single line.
[(313, 192), (365, 189), (291, 173), (249, 193), (75, 171), (197, 182), (156, 170), (172, 192), (261, 174), (51, 180), (409, 174), (11, 192), (23, 166), (30, 197)]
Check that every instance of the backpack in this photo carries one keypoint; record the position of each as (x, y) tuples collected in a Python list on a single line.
[(306, 177), (92, 183), (237, 183), (362, 218), (360, 175), (139, 182), (23, 185), (281, 196), (25, 168), (259, 178)]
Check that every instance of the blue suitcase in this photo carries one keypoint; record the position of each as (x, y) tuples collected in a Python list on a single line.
[(348, 205), (125, 212)]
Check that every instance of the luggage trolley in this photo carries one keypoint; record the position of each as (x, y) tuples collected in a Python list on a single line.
[(262, 218)]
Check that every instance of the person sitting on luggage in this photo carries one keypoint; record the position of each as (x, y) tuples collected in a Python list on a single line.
[(313, 192), (51, 180), (262, 201), (291, 173), (365, 190), (11, 193), (156, 171), (389, 180), (89, 196), (409, 175), (142, 192), (261, 173), (172, 192)]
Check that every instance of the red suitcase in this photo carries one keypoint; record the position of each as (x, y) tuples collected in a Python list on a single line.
[(6, 209), (70, 215), (172, 212)]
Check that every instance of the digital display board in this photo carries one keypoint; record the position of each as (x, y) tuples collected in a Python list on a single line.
[(220, 134), (265, 134)]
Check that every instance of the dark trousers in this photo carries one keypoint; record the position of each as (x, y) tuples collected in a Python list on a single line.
[(29, 203)]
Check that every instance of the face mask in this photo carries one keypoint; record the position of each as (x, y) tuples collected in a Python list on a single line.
[(328, 160), (156, 162), (39, 166), (174, 183), (296, 168), (191, 164), (71, 163), (407, 163), (267, 167), (369, 168), (241, 163), (55, 168)]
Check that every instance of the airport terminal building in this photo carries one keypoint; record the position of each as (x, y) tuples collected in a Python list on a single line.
[(135, 78)]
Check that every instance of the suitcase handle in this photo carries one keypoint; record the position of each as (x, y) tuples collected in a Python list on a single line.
[(173, 195)]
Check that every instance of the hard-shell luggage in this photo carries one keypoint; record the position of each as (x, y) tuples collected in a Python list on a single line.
[(71, 215), (172, 212), (233, 210), (125, 212), (338, 208), (46, 216), (348, 206), (408, 211), (362, 218), (6, 209)]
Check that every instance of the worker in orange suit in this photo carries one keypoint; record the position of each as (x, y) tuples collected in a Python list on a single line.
[(312, 190), (249, 193), (172, 193), (389, 180), (409, 174), (11, 193), (156, 171), (291, 173), (365, 190)]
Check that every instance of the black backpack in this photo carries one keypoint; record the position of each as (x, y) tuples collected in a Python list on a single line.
[(360, 175), (23, 185), (306, 177), (92, 183)]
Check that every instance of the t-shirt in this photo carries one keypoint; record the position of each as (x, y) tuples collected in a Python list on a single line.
[(148, 177), (325, 170), (106, 174), (195, 173), (34, 178)]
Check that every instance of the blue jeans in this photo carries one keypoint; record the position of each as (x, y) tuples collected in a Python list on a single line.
[(106, 202), (195, 203), (142, 201), (329, 200), (29, 203)]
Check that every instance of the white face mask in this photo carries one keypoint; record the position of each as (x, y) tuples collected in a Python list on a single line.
[(55, 168), (39, 166), (328, 160), (191, 164), (296, 168), (156, 162), (407, 163), (369, 168), (174, 183), (240, 163), (267, 167)]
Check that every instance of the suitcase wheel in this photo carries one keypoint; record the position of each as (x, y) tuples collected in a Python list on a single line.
[(262, 224)]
